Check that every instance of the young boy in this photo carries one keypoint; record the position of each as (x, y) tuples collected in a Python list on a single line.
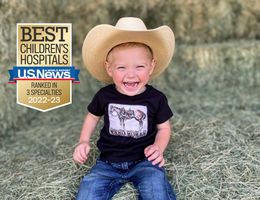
[(136, 116)]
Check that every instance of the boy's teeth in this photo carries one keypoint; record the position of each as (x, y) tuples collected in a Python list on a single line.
[(131, 84)]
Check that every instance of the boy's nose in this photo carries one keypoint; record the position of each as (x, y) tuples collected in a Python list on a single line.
[(130, 73)]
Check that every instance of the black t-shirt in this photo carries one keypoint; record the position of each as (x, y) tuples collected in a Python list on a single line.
[(129, 122)]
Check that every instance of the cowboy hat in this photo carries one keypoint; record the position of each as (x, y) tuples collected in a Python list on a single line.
[(102, 38)]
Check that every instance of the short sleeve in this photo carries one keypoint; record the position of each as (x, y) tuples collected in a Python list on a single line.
[(164, 112), (96, 105)]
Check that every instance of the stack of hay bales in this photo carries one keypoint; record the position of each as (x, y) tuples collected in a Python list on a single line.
[(212, 85)]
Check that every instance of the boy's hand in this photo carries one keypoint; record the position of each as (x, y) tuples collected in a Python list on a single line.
[(81, 152), (153, 152)]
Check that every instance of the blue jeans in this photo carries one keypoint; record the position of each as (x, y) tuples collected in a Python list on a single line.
[(106, 178)]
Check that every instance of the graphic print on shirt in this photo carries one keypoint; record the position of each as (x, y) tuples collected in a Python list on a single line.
[(127, 120)]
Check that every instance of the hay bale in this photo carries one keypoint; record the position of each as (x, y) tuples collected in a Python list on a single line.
[(214, 21), (33, 164), (192, 21), (220, 55), (213, 160), (228, 64)]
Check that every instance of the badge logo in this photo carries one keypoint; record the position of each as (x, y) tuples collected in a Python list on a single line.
[(44, 74)]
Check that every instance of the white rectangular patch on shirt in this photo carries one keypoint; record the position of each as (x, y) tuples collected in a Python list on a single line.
[(128, 120)]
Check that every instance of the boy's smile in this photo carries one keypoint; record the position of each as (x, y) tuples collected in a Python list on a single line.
[(130, 67)]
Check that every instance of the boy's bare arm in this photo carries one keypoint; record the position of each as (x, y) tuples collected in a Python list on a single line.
[(155, 151), (163, 135), (81, 151), (88, 127)]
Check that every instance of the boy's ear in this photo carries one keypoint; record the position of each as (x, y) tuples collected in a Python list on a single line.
[(108, 68), (152, 66)]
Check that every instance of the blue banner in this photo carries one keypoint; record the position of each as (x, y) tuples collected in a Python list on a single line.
[(44, 73)]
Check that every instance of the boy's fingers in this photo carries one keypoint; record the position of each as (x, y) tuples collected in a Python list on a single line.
[(76, 155), (79, 156), (153, 156), (146, 149), (81, 160), (77, 159), (149, 151), (87, 149), (157, 160), (81, 153), (162, 163)]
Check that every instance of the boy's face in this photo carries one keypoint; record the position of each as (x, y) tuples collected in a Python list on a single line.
[(130, 68)]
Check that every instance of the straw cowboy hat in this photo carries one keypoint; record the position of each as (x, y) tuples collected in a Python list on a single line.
[(102, 38)]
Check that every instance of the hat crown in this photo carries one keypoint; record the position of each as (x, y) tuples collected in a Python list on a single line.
[(131, 24)]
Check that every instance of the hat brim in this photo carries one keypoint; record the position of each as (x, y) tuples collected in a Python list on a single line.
[(102, 38)]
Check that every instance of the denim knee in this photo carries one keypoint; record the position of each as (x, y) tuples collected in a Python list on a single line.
[(151, 182), (99, 184)]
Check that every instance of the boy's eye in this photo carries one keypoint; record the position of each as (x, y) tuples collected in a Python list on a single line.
[(121, 67), (140, 67)]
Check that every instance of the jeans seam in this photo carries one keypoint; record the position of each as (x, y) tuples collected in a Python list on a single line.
[(110, 189)]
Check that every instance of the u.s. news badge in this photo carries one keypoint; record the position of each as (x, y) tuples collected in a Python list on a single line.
[(44, 74)]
